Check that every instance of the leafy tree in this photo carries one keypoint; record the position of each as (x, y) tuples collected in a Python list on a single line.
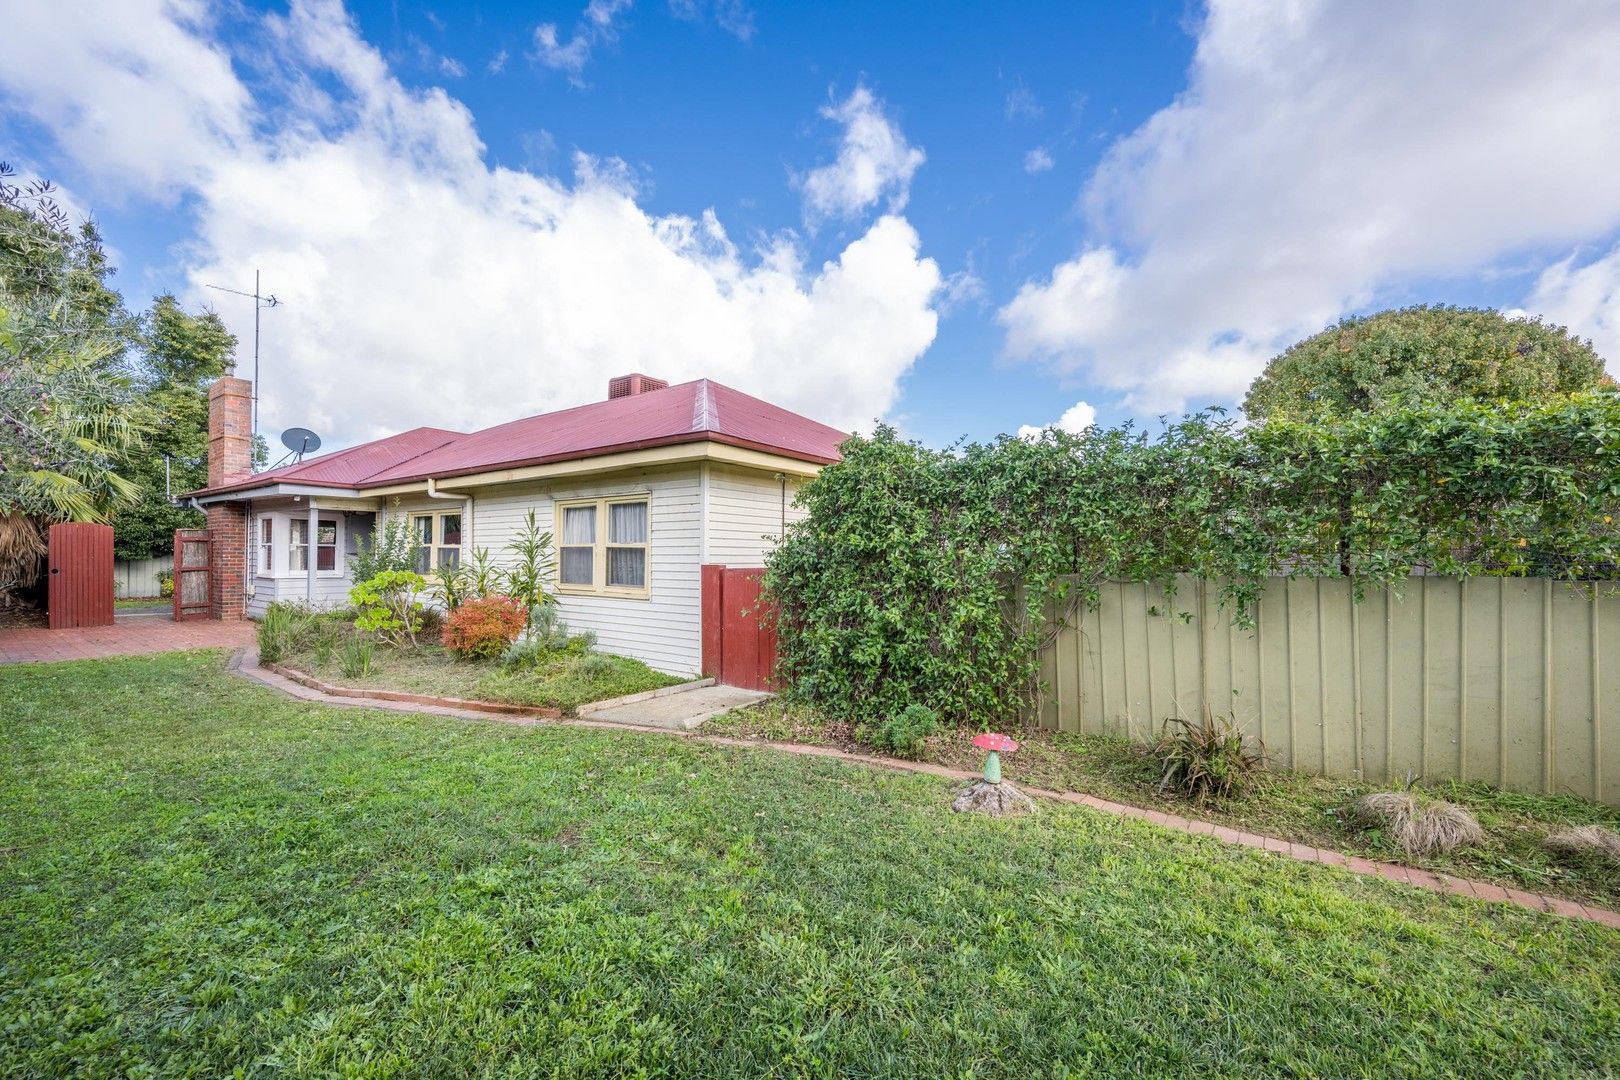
[(69, 415), (1423, 354), (182, 354)]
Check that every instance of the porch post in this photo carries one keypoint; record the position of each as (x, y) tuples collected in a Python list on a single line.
[(309, 552)]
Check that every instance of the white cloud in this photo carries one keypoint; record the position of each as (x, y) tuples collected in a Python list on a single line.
[(422, 286), (1584, 298), (596, 25), (1037, 161), (1322, 154), (1021, 103), (497, 63), (874, 161), (732, 16), (134, 91), (1074, 420)]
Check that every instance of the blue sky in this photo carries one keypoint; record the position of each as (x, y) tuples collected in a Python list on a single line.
[(964, 218)]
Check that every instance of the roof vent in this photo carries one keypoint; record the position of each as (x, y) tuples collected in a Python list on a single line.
[(631, 385)]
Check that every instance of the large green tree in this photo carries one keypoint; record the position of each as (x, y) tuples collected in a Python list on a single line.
[(181, 354), (1423, 354)]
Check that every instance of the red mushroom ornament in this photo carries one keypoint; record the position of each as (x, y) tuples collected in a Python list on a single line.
[(997, 745)]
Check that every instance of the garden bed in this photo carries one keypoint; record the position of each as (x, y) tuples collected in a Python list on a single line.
[(1292, 806), (563, 681)]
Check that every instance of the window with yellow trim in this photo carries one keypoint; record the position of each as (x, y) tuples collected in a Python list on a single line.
[(438, 538), (603, 546)]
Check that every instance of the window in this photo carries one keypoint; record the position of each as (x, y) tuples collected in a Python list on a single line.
[(604, 546), (298, 544), (438, 537), (267, 545)]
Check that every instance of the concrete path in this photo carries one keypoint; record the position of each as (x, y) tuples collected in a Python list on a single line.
[(678, 712), (133, 634)]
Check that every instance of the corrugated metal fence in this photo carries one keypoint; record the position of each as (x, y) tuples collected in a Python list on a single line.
[(138, 577), (1512, 681)]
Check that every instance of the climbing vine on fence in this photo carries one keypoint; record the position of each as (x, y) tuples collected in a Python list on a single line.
[(928, 575)]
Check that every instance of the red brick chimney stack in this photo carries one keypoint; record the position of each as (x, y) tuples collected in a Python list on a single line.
[(230, 457), (630, 385), (230, 430)]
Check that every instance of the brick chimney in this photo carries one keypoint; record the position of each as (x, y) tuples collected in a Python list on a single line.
[(230, 457), (631, 385), (230, 430)]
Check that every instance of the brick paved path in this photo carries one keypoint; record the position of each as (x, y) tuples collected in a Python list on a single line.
[(129, 635)]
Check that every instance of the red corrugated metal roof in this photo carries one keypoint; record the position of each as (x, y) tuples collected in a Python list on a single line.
[(688, 412)]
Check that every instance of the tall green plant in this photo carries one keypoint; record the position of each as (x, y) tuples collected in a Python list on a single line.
[(532, 567)]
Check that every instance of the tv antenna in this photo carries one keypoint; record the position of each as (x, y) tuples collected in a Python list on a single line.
[(298, 441), (260, 302)]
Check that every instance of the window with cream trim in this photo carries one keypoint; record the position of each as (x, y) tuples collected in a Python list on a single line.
[(438, 537), (603, 546), (298, 545)]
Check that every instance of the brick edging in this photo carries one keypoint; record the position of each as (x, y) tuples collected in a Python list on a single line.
[(303, 678), (245, 663)]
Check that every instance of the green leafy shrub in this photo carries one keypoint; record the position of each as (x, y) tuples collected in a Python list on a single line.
[(485, 627), (355, 660), (389, 605), (594, 666), (902, 734), (1207, 757), (286, 628), (165, 579), (391, 546), (933, 576)]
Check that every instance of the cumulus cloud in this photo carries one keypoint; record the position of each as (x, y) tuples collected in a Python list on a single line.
[(423, 286), (1075, 419), (1038, 161), (1321, 156), (874, 161), (1585, 298)]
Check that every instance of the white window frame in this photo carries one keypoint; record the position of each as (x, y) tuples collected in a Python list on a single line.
[(437, 531), (599, 585), (282, 532), (265, 559)]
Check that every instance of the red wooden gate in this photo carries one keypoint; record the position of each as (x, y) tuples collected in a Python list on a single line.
[(80, 589), (739, 629), (190, 574)]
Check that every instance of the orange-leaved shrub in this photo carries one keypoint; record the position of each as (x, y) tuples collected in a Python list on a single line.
[(484, 627)]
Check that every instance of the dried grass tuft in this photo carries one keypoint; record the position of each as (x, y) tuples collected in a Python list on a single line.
[(1419, 826), (1586, 842), (22, 546)]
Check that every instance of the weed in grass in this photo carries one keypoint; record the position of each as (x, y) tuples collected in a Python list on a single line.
[(903, 734), (1419, 826), (1206, 758), (1586, 843), (357, 651)]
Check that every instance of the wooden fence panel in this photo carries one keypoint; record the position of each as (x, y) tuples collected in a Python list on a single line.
[(1511, 681)]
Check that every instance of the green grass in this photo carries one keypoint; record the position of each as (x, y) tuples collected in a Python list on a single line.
[(198, 877), (1306, 809), (559, 682), (141, 601)]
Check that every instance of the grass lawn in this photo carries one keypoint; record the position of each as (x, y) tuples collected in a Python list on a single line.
[(199, 877), (1305, 809), (142, 601), (565, 682)]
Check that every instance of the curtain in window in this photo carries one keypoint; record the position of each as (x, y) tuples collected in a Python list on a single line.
[(578, 546), (627, 567), (627, 523)]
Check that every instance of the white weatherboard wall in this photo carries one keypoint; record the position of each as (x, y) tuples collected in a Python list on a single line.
[(331, 587), (665, 629), (746, 512)]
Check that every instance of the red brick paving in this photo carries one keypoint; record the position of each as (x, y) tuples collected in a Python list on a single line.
[(129, 635)]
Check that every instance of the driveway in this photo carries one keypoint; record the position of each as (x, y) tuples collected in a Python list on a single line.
[(134, 633)]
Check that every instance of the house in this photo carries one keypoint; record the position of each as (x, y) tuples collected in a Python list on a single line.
[(639, 491)]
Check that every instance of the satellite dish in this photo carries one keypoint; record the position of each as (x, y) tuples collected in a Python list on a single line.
[(300, 441)]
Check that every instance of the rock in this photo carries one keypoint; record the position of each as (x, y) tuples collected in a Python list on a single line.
[(998, 800)]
